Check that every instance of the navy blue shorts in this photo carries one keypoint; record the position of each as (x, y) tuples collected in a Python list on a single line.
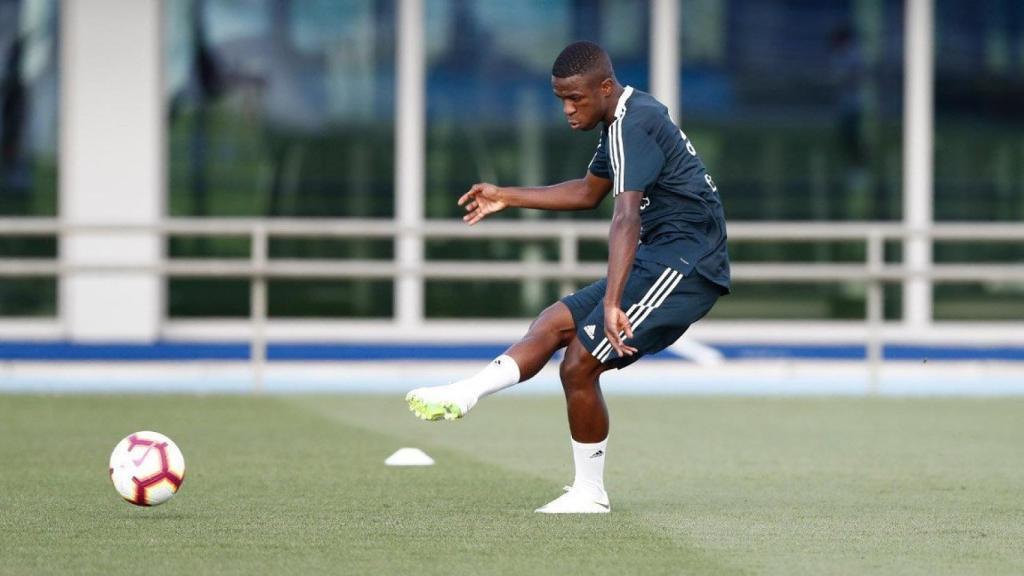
[(659, 301)]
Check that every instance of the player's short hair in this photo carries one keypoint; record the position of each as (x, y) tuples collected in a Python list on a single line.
[(581, 58)]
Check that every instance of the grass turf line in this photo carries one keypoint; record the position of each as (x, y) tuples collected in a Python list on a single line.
[(698, 485)]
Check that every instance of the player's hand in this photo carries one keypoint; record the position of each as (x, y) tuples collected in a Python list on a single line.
[(481, 200), (616, 325)]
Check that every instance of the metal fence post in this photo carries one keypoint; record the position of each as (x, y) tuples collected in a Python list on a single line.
[(568, 255), (258, 306), (876, 310), (410, 162), (918, 161)]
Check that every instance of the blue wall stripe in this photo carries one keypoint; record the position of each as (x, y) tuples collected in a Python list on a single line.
[(43, 351)]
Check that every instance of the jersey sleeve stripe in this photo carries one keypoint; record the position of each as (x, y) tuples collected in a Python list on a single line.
[(622, 154), (613, 157), (616, 149)]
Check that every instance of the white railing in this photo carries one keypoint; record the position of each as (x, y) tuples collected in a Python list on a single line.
[(874, 271)]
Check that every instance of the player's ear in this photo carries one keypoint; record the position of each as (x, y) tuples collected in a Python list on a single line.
[(607, 85)]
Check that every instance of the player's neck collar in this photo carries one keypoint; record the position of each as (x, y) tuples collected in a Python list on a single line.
[(620, 108)]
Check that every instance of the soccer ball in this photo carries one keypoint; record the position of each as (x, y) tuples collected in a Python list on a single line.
[(147, 468)]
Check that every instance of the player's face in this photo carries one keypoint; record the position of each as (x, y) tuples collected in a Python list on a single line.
[(583, 100)]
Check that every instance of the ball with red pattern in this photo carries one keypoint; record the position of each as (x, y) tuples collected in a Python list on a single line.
[(147, 468)]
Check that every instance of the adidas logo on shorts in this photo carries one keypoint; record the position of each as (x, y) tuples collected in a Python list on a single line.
[(589, 330)]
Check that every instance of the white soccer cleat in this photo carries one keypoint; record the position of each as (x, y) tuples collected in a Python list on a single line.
[(439, 402), (577, 501)]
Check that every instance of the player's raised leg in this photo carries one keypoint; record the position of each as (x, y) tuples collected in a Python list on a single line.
[(551, 331), (588, 425)]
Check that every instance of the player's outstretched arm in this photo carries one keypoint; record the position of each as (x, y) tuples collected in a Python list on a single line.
[(485, 199)]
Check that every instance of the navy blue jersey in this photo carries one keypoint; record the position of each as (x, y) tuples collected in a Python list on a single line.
[(681, 216)]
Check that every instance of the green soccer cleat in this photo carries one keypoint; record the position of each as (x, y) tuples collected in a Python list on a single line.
[(437, 403)]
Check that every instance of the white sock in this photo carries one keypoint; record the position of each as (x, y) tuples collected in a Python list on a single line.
[(589, 459), (501, 373)]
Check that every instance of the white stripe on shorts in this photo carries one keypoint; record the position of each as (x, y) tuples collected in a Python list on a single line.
[(647, 310), (655, 293), (632, 309)]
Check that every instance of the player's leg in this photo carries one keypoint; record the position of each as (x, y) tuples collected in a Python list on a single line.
[(551, 331), (580, 373), (661, 304), (588, 425)]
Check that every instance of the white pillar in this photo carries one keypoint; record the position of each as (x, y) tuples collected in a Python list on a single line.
[(664, 49), (410, 156), (111, 165), (918, 116)]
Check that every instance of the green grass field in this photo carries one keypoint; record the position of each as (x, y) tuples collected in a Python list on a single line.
[(699, 485)]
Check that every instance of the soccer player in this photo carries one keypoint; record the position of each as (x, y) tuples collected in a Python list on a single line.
[(667, 262)]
